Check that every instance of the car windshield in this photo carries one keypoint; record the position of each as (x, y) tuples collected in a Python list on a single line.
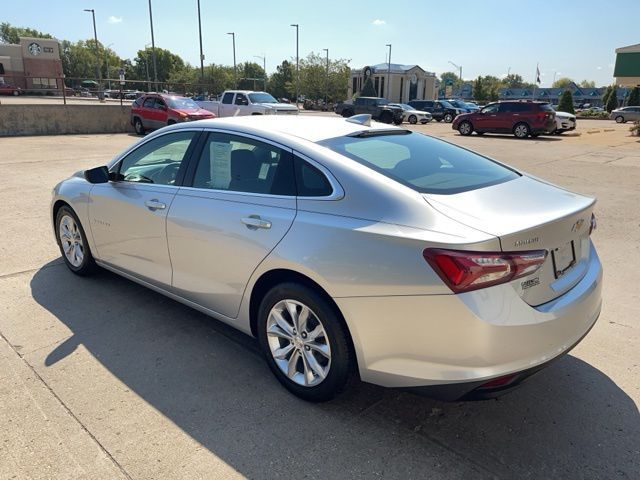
[(457, 103), (261, 98), (446, 104), (426, 164), (181, 102)]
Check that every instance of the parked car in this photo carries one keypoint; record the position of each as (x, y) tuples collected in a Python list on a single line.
[(7, 89), (473, 106), (565, 122), (462, 105), (379, 108), (346, 245), (412, 115), (623, 115), (521, 118), (156, 110), (439, 109), (236, 103)]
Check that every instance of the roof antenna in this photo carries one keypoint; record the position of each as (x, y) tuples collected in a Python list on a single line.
[(362, 119)]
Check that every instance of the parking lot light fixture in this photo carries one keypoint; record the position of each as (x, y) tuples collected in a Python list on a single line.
[(326, 79), (235, 73), (459, 67), (297, 27), (95, 37), (153, 49)]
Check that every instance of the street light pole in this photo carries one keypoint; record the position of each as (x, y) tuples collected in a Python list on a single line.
[(153, 49), (95, 37), (326, 80), (235, 74), (106, 54), (460, 76), (201, 54), (264, 68), (146, 65), (297, 63), (389, 73)]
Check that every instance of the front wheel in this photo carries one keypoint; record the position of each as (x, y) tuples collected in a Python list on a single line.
[(386, 117), (347, 113), (413, 119), (465, 128), (448, 118), (73, 242), (304, 342), (139, 128), (619, 119), (521, 130)]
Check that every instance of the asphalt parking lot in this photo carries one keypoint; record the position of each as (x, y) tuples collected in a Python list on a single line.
[(101, 378)]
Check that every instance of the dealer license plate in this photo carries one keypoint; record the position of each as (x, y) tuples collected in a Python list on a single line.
[(563, 258)]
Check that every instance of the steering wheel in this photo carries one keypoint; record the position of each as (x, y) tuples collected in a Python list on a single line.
[(167, 176)]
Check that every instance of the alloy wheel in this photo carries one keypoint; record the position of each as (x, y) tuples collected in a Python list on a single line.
[(71, 240), (465, 128), (298, 343), (521, 131)]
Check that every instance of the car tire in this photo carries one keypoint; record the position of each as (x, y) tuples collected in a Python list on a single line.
[(170, 122), (438, 120), (397, 121), (465, 128), (347, 113), (138, 126), (521, 130), (314, 370), (413, 119), (72, 242), (386, 117), (16, 93), (620, 119), (448, 118)]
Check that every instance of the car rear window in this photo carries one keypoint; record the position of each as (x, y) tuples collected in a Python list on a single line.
[(546, 107), (426, 164)]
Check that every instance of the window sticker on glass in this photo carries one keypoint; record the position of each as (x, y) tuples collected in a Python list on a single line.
[(264, 171), (220, 164)]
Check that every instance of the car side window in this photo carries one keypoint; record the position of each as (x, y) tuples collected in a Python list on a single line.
[(241, 99), (310, 181), (507, 107), (228, 98), (240, 164), (491, 108), (156, 161), (160, 105), (149, 102)]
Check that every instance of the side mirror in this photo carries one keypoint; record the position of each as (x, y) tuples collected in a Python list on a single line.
[(97, 175)]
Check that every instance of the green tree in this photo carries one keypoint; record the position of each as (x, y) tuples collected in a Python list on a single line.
[(167, 63), (606, 95), (478, 90), (368, 90), (513, 80), (563, 83), (281, 82), (634, 98), (79, 61), (314, 82), (10, 34), (492, 86), (566, 102), (612, 101), (587, 84), (250, 76)]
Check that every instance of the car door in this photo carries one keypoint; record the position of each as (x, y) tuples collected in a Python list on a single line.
[(487, 118), (241, 103), (147, 112), (128, 214), (239, 205), (161, 113), (227, 108)]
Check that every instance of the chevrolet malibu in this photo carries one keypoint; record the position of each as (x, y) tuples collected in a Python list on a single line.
[(347, 248)]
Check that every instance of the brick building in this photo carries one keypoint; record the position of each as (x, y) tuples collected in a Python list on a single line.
[(34, 64)]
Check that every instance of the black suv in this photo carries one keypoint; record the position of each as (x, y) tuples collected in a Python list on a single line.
[(378, 108), (439, 109)]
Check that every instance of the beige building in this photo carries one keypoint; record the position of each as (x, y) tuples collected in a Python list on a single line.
[(627, 70), (33, 64), (406, 82)]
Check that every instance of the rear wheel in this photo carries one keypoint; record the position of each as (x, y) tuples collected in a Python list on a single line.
[(304, 342), (386, 117), (16, 93), (413, 119), (73, 242), (448, 118), (619, 119), (521, 130), (139, 128), (465, 128), (347, 113)]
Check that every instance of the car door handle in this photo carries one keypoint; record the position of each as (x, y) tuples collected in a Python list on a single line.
[(254, 222), (155, 205)]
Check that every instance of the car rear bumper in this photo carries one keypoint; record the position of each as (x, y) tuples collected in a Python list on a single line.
[(456, 343)]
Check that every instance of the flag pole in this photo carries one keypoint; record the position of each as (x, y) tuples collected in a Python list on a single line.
[(535, 81)]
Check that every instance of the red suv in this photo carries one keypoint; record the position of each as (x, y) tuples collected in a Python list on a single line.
[(522, 118), (156, 110)]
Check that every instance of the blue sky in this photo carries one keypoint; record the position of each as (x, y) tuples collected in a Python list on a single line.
[(573, 38)]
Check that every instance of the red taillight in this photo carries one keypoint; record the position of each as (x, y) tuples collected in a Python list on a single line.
[(464, 271)]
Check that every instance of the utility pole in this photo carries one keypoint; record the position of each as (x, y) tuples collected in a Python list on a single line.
[(297, 62), (389, 73), (264, 68), (460, 77), (106, 54), (235, 73), (95, 37), (153, 49), (201, 54), (326, 80)]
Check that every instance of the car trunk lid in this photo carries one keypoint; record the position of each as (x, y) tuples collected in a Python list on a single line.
[(528, 214)]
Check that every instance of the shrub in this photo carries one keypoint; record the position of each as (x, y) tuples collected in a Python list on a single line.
[(566, 102), (634, 98), (612, 101), (635, 129)]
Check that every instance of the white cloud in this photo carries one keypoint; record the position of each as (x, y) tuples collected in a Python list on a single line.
[(113, 19), (598, 68), (377, 22)]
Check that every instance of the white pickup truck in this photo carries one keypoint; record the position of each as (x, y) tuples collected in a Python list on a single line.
[(246, 102)]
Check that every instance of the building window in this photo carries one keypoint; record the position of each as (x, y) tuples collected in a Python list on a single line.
[(382, 86), (377, 85), (401, 87), (44, 82), (355, 85)]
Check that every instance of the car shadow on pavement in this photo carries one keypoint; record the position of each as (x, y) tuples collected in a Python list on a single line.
[(508, 136), (569, 421)]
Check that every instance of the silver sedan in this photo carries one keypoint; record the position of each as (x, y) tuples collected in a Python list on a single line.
[(347, 248)]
